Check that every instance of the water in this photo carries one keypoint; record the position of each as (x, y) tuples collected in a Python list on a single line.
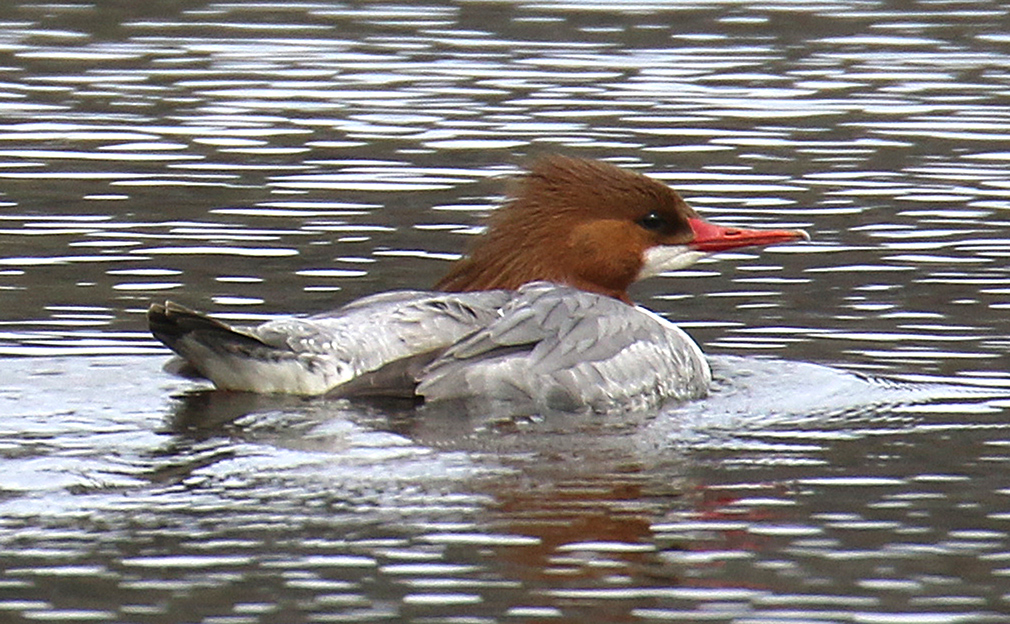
[(251, 159)]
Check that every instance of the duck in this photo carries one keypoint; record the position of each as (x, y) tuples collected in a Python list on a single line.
[(536, 315)]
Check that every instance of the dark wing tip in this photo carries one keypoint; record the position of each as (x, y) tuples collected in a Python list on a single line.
[(170, 321), (161, 324)]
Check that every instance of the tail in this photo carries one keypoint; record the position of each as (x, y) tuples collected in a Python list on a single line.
[(174, 324), (231, 357)]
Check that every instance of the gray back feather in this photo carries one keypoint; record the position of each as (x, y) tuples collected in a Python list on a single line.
[(405, 329)]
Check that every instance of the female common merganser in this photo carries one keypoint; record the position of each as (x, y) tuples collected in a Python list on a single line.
[(538, 314)]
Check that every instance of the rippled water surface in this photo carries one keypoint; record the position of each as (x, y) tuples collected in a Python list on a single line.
[(256, 158)]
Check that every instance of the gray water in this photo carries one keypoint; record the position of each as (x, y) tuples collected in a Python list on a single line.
[(252, 159)]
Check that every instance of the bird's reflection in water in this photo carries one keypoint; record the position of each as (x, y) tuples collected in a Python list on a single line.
[(292, 422), (567, 483), (208, 413)]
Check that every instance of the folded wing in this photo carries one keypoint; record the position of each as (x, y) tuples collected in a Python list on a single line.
[(559, 348)]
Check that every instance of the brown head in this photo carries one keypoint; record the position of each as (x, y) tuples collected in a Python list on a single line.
[(595, 227)]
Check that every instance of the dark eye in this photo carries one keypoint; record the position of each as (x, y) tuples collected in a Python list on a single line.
[(654, 222)]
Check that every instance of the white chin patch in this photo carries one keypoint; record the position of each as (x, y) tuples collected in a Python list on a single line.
[(664, 258)]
